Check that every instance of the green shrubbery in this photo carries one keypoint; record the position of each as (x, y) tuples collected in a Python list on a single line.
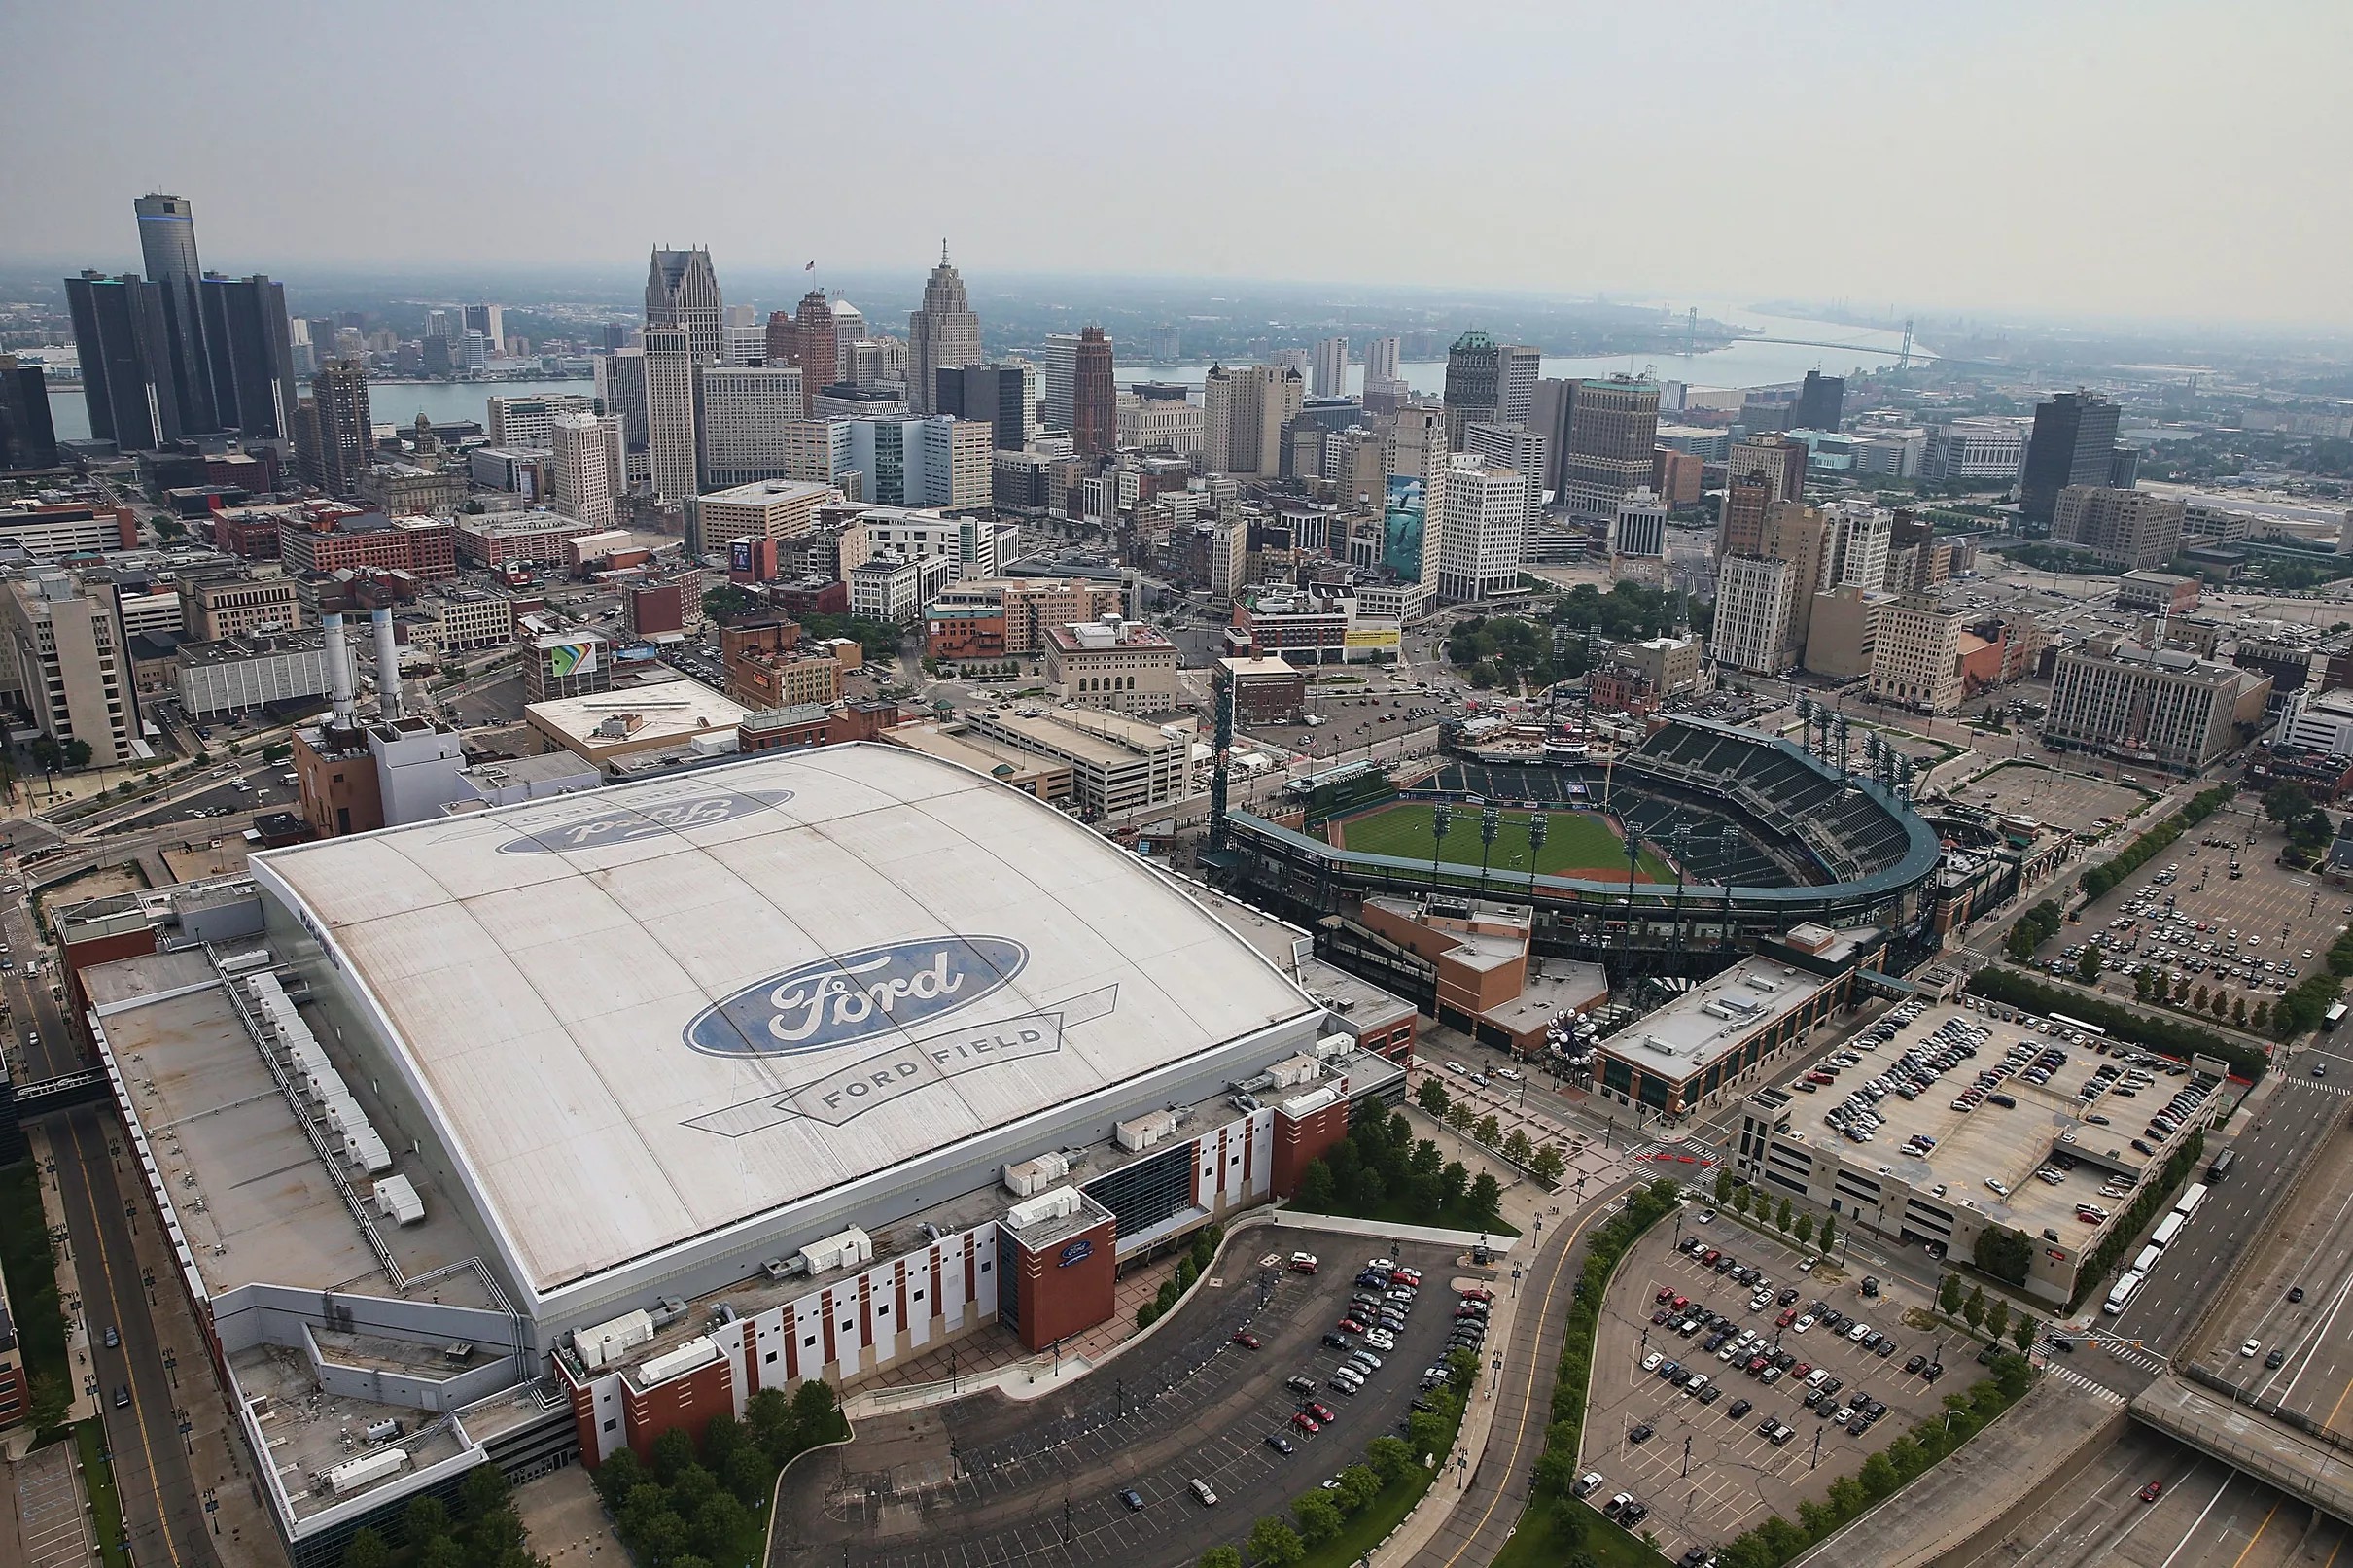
[(1189, 1267), (1381, 1171), (2036, 927), (2156, 1196), (482, 1531), (2132, 857), (707, 1508)]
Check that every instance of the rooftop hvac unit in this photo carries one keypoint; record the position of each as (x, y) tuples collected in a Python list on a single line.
[(667, 1310), (1301, 1106), (383, 1431), (1717, 1010), (1760, 983), (1033, 1176), (1138, 1133), (398, 1202), (366, 1149), (1052, 1206), (782, 1268), (1742, 1004), (1333, 1045), (613, 1339), (237, 963), (355, 1473), (1292, 1071), (670, 1364), (845, 1250), (1665, 1048)]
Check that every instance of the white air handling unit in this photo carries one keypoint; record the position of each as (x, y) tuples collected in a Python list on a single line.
[(671, 1363), (1062, 1202), (1301, 1106), (613, 1339), (846, 1250), (1138, 1133), (1030, 1178), (354, 1474), (398, 1201)]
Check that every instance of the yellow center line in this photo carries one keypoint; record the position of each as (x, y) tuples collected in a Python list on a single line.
[(138, 1412), (1528, 1393), (2340, 1546), (2330, 1423), (2257, 1536)]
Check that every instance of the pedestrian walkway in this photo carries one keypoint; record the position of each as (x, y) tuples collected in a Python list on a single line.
[(2099, 1391)]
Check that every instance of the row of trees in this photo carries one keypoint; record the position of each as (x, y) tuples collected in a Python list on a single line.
[(702, 1506), (482, 1531), (1740, 1196), (1994, 1320), (2175, 1037), (2036, 927), (1381, 1167), (1191, 1266), (2137, 853), (2156, 1196), (2306, 826), (1546, 1162), (1389, 1465), (2165, 988)]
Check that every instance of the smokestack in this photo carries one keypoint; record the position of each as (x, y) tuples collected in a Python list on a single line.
[(338, 672), (388, 665)]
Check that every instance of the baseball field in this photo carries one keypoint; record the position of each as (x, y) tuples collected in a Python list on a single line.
[(1580, 844)]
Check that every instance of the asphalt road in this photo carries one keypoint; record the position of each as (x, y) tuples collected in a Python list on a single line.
[(989, 1481)]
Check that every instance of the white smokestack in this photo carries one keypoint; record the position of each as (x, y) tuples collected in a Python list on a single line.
[(388, 665), (338, 672)]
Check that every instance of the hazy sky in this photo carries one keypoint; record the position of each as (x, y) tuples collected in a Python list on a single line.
[(2141, 158)]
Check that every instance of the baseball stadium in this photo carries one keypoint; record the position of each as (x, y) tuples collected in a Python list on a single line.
[(1699, 841)]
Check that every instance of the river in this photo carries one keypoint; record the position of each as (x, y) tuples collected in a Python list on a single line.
[(1742, 363)]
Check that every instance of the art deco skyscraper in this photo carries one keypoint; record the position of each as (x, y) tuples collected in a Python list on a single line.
[(683, 291), (332, 430), (1095, 395), (814, 348), (943, 336), (167, 245)]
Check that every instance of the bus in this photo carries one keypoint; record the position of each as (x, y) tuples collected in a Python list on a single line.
[(2221, 1167), (2146, 1260), (2335, 1015), (2125, 1289), (2192, 1197), (2166, 1230), (2079, 1025)]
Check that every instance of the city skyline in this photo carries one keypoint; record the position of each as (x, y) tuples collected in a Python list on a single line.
[(2159, 240)]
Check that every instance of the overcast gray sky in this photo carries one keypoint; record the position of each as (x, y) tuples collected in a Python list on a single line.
[(2142, 158)]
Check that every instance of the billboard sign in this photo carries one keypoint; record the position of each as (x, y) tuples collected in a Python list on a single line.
[(1374, 637), (739, 556), (567, 660)]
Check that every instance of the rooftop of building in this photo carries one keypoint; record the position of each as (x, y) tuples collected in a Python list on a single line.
[(253, 645), (1269, 668), (508, 525), (1682, 1038), (2172, 661), (776, 718), (780, 921), (1109, 633), (663, 710), (1087, 734), (770, 493)]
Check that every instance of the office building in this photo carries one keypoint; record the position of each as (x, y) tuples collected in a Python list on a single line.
[(1800, 535), (895, 588), (1841, 632), (1916, 658), (941, 334), (1821, 402), (2132, 528), (586, 467), (770, 509), (333, 433), (1095, 396), (243, 673), (1520, 368), (324, 539), (1381, 359), (530, 422), (1613, 427), (167, 245), (28, 439), (1989, 449), (814, 347), (123, 340), (1515, 448), (1639, 529), (488, 320), (539, 537), (73, 674), (1678, 477), (1740, 518), (1780, 461), (2162, 706), (1007, 617), (1118, 665), (1474, 386), (250, 355), (214, 609), (975, 545), (2073, 444), (670, 411), (681, 290), (1159, 424), (1751, 627), (1058, 381), (621, 387), (1483, 532), (1004, 395), (1860, 535), (1243, 413), (748, 411), (1330, 374), (934, 462), (410, 489)]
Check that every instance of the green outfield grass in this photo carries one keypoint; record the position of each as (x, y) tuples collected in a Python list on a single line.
[(1577, 841)]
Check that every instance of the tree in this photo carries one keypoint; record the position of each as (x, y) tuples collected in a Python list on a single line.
[(1485, 1199), (1316, 1190), (1272, 1544), (1723, 1186), (1829, 1225), (1367, 1190), (1741, 1198), (1549, 1166), (620, 1475), (1803, 1229), (2221, 1005), (1490, 1130), (1392, 1460), (1949, 1295), (1517, 1148), (1997, 1320), (48, 754), (1461, 1118), (2286, 803), (816, 1413), (769, 1415), (367, 1549), (1319, 1516), (717, 1525), (439, 1552), (2004, 1253), (749, 1475), (2022, 1333), (2142, 980), (1780, 1217), (2238, 1013), (2088, 968), (2261, 1019), (1972, 1311), (672, 1453), (1452, 1182), (725, 602), (1432, 1097), (2198, 999), (1222, 1558), (1359, 1486), (425, 1519)]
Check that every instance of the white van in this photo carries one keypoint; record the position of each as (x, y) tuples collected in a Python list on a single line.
[(1201, 1490)]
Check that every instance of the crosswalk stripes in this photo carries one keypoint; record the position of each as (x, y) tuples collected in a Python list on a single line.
[(2146, 1360), (2098, 1391), (2326, 1088)]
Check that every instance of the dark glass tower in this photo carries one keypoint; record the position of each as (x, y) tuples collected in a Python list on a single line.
[(253, 377), (123, 336), (27, 440), (2073, 443), (168, 244), (1821, 402)]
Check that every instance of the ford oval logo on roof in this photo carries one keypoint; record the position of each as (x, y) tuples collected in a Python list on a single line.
[(854, 997), (631, 822)]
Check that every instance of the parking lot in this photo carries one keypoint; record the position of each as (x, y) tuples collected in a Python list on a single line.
[(1704, 1472), (2250, 938), (989, 1479), (2066, 801)]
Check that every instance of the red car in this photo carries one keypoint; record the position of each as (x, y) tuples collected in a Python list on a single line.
[(1789, 1315), (1349, 1325), (2149, 1493), (1680, 1302), (1306, 1422), (1321, 1412), (1667, 1292), (1406, 1276), (1245, 1339), (1478, 1293)]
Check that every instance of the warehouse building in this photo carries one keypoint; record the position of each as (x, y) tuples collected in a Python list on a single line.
[(530, 1133)]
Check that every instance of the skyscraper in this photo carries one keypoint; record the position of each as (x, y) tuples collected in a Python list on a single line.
[(1520, 368), (814, 348), (123, 338), (849, 330), (999, 394), (252, 357), (1244, 411), (167, 245), (1331, 367), (1740, 524), (683, 291), (1821, 402), (587, 459), (491, 322), (1612, 426), (1058, 380), (1381, 359), (1474, 385), (1515, 448), (943, 335), (1778, 459), (621, 386), (2074, 443), (747, 414), (670, 422), (781, 344), (27, 438), (1484, 536), (1095, 396), (336, 434)]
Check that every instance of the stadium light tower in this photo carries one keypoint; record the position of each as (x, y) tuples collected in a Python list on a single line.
[(1441, 819), (1490, 825), (1540, 829)]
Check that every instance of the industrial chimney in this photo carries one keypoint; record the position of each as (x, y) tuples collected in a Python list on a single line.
[(338, 673), (388, 665)]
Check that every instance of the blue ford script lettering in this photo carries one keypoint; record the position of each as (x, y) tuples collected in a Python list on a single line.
[(854, 996), (1078, 1251), (642, 821)]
